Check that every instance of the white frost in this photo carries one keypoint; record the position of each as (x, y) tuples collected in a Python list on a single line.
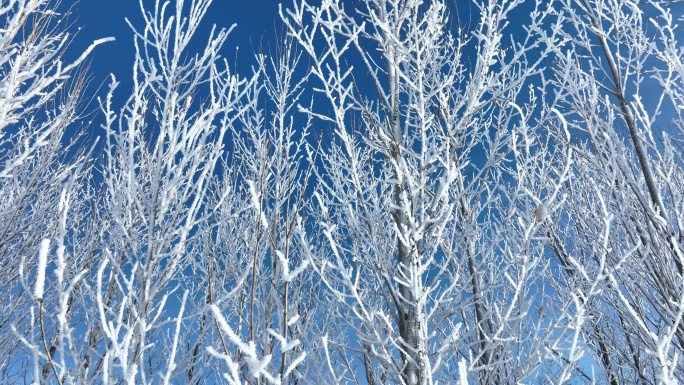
[(42, 264)]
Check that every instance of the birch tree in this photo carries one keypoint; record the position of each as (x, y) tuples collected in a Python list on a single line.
[(161, 151), (41, 167), (420, 224), (617, 79), (252, 234)]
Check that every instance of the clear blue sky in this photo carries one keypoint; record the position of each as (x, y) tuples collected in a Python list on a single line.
[(258, 24), (255, 19)]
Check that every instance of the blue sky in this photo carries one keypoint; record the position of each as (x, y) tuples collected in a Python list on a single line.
[(257, 25), (256, 21)]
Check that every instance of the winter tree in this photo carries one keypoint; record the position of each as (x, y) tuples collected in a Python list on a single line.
[(42, 170), (617, 78), (393, 193), (425, 201), (250, 250)]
